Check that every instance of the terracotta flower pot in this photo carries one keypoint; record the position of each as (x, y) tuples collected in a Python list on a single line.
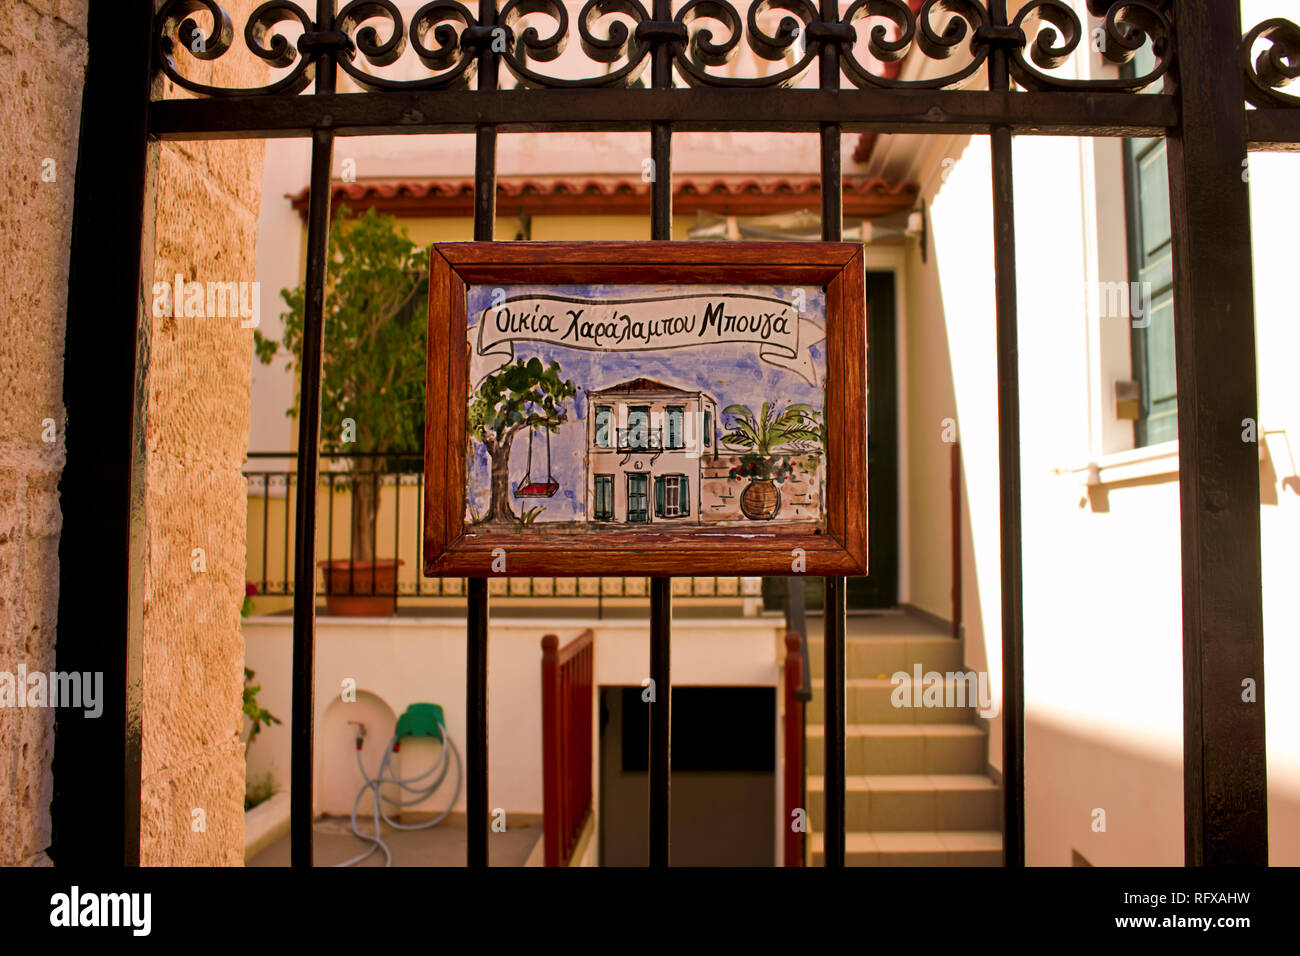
[(360, 588), (761, 500)]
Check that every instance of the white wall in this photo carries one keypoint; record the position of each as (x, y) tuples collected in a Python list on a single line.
[(1102, 581), (399, 661)]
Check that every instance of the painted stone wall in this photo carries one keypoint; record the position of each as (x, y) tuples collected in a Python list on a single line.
[(800, 493), (42, 70), (192, 773)]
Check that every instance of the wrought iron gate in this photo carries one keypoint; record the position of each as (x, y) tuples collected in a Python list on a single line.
[(1003, 84)]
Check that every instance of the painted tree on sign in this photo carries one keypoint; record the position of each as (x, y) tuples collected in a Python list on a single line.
[(526, 394)]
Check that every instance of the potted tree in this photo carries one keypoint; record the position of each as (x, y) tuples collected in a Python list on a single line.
[(762, 437), (372, 385)]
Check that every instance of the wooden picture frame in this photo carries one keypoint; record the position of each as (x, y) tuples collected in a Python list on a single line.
[(837, 547)]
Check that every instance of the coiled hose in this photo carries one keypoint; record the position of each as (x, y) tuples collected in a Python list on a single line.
[(409, 785)]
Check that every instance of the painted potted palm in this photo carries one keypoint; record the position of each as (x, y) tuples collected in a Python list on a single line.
[(762, 437), (372, 386)]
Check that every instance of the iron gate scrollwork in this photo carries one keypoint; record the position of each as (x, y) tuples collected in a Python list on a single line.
[(703, 35)]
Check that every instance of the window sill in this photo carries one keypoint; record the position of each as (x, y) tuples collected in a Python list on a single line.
[(1158, 462)]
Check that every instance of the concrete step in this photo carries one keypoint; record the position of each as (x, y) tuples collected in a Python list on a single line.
[(872, 656), (904, 748), (916, 848), (927, 802), (870, 701)]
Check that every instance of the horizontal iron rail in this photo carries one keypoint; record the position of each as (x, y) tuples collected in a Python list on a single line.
[(1276, 130), (895, 111)]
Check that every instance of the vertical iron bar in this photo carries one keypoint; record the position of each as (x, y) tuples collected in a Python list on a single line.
[(304, 566), (1013, 676), (1225, 793), (835, 783), (476, 756), (375, 490), (329, 544), (833, 788), (1004, 267), (95, 810), (796, 619), (284, 565), (661, 613), (397, 530), (266, 515), (661, 589), (476, 742), (661, 189), (352, 531), (304, 572), (419, 525)]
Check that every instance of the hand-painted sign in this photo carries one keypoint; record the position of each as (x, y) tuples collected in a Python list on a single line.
[(618, 406)]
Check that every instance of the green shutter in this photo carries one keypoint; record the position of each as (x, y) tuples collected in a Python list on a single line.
[(604, 495), (659, 497), (674, 426), (1151, 263), (685, 494), (603, 418)]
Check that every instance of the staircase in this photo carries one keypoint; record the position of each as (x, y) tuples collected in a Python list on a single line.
[(917, 789)]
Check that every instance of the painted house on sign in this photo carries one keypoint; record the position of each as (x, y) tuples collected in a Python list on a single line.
[(645, 442)]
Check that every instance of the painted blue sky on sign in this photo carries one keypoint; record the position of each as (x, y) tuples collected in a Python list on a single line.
[(733, 373)]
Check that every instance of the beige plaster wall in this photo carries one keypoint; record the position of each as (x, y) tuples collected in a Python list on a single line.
[(42, 68)]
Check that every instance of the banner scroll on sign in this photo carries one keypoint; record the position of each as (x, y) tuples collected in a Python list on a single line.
[(782, 335)]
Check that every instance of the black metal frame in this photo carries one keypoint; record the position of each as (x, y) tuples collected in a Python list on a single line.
[(1202, 114)]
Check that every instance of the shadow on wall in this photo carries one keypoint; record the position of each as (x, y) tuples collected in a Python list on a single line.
[(1081, 773), (1091, 782)]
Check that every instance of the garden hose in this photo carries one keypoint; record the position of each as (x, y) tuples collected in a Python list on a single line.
[(410, 785)]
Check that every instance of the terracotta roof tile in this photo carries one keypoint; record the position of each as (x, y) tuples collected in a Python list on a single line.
[(603, 195)]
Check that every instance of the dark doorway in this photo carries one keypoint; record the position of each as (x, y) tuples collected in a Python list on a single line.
[(724, 776), (878, 588)]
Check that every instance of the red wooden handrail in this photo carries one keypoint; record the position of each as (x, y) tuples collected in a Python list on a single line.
[(567, 688), (794, 730)]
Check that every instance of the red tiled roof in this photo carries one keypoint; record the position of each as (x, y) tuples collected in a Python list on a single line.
[(604, 195)]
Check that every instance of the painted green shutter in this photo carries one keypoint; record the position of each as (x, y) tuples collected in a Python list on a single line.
[(603, 419), (604, 496), (685, 495), (659, 497), (1151, 267), (675, 426)]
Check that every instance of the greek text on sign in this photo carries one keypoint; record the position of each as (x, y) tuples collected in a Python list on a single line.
[(782, 334)]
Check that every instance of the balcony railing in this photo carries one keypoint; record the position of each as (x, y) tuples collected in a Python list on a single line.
[(395, 531), (640, 439)]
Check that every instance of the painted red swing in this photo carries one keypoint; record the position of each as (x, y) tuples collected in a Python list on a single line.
[(527, 488)]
